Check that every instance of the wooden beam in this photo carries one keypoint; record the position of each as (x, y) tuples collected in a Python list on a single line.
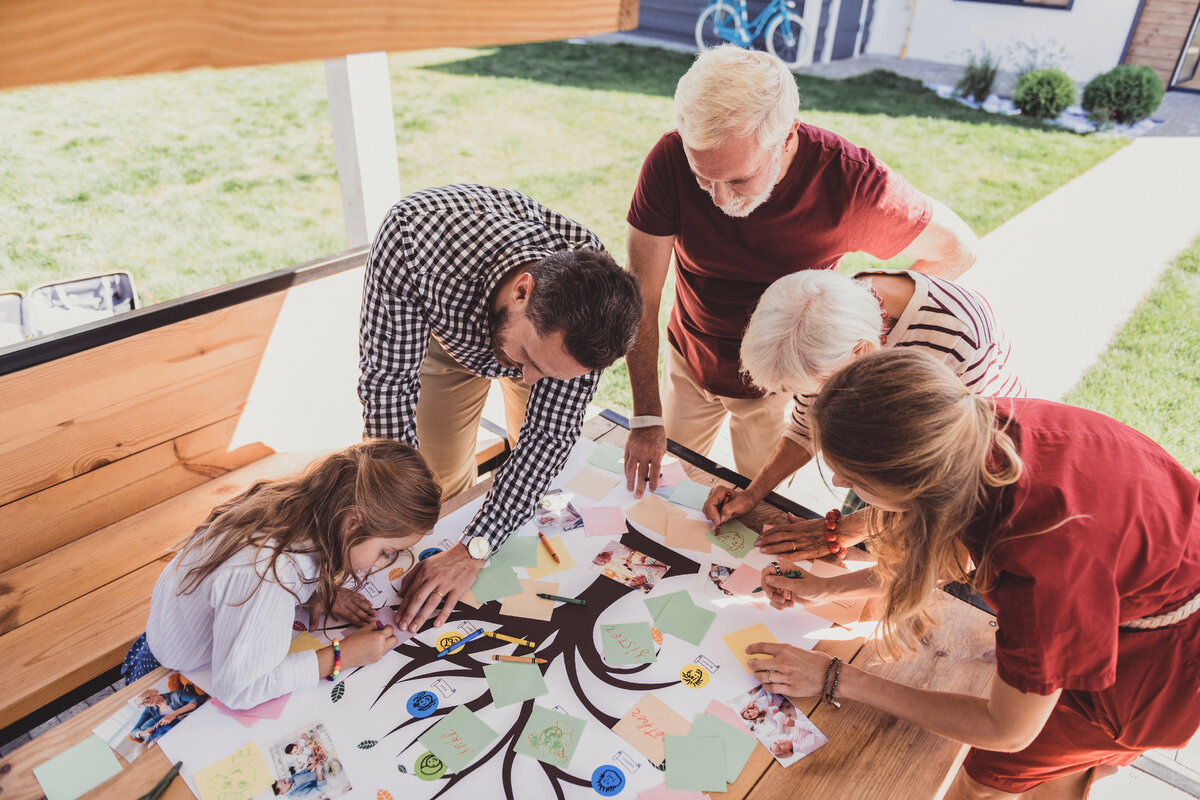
[(51, 41)]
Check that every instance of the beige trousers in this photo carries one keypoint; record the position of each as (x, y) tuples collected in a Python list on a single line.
[(448, 413), (694, 415)]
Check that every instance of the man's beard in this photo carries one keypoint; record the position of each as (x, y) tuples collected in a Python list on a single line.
[(500, 325), (744, 204)]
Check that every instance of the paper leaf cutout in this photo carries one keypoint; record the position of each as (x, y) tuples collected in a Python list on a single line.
[(298, 626), (383, 794), (338, 691), (396, 573), (367, 744), (402, 768)]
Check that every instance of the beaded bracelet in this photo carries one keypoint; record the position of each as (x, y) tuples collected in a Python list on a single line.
[(831, 521), (832, 673), (337, 659)]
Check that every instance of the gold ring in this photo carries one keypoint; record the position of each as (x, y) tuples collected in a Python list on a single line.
[(439, 594), (793, 548)]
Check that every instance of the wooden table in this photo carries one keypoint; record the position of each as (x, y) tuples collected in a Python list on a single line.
[(869, 754)]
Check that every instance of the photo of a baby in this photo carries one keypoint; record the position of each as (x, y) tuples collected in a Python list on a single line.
[(628, 566), (145, 719), (305, 765), (555, 511), (775, 721)]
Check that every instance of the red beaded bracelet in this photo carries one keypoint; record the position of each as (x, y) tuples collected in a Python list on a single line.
[(831, 521)]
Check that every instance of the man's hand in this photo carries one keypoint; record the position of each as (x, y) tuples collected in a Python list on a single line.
[(724, 504), (644, 450), (347, 605), (445, 576)]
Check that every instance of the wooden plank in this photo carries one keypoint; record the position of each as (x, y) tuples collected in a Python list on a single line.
[(36, 587), (35, 459), (78, 641), (47, 41), (886, 757), (40, 522)]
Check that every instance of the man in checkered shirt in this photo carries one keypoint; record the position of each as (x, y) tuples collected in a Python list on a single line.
[(469, 283)]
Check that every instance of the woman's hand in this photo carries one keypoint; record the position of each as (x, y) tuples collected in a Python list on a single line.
[(786, 592), (347, 605), (724, 504), (367, 645), (788, 670), (797, 538)]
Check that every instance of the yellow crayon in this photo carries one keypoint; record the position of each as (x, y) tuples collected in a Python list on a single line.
[(512, 639)]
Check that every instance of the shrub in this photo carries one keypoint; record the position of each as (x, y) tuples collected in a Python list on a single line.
[(978, 76), (1044, 93), (1125, 94)]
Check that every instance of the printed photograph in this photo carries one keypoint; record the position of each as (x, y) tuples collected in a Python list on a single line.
[(305, 764), (628, 566), (555, 511), (141, 722), (775, 721)]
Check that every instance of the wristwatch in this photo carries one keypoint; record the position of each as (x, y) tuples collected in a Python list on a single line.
[(478, 548)]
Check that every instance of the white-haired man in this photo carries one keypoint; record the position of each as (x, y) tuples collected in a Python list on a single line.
[(742, 194)]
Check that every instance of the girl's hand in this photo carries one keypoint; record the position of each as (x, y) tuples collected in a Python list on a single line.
[(367, 645), (786, 592), (347, 605), (718, 509), (789, 671)]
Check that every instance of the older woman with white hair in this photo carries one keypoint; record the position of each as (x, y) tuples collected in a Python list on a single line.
[(812, 323)]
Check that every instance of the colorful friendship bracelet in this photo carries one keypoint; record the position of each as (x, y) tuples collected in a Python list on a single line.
[(337, 659)]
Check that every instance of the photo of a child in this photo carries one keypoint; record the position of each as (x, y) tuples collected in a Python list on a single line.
[(305, 765), (775, 721), (144, 720), (555, 511), (628, 566)]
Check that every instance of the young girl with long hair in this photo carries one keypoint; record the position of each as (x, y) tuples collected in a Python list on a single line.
[(1082, 535), (227, 600)]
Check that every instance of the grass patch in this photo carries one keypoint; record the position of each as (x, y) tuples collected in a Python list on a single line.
[(1150, 375)]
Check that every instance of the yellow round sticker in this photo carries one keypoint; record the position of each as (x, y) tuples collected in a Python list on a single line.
[(694, 676), (447, 641)]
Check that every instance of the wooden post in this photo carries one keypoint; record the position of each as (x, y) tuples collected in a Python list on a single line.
[(364, 141)]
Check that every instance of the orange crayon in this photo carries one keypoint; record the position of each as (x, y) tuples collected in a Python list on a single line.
[(550, 549)]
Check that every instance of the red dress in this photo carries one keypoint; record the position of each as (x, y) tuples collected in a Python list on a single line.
[(1126, 545)]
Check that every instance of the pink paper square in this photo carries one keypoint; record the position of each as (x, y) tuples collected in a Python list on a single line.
[(606, 521), (744, 580), (727, 714), (671, 474)]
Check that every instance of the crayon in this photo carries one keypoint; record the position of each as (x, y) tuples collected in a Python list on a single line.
[(512, 639), (520, 659), (460, 643), (575, 601), (553, 554)]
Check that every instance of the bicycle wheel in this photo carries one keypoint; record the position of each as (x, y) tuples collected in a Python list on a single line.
[(789, 42), (717, 24)]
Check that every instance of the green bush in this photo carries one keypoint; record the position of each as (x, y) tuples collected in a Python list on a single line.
[(1044, 93), (1124, 95), (978, 76)]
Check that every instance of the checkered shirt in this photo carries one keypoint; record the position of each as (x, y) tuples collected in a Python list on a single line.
[(434, 265)]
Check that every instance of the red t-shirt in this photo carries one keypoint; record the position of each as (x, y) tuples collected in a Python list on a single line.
[(834, 199), (1131, 550)]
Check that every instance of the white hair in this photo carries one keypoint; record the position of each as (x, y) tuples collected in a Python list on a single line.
[(805, 328), (729, 90)]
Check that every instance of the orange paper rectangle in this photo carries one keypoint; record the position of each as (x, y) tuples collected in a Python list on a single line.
[(652, 513), (739, 640), (645, 725), (527, 604), (688, 534)]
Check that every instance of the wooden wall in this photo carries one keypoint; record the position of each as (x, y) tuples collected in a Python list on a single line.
[(50, 41), (1160, 35)]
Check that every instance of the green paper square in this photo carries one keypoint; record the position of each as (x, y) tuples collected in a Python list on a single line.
[(550, 736), (458, 739), (627, 643), (77, 769), (683, 618), (493, 583), (514, 683), (657, 604), (735, 538), (695, 763), (608, 457), (690, 494), (738, 743), (517, 551)]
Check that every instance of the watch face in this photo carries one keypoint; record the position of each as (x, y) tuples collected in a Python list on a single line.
[(479, 548)]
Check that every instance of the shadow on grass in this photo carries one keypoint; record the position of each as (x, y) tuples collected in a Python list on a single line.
[(653, 71)]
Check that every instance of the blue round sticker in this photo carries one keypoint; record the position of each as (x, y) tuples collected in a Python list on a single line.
[(422, 704), (427, 552), (608, 780)]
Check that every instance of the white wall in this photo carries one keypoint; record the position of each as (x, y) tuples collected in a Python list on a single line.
[(1093, 31)]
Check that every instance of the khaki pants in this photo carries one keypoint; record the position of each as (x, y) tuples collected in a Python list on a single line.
[(448, 414), (693, 417)]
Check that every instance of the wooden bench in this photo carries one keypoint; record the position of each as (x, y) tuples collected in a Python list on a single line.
[(116, 441)]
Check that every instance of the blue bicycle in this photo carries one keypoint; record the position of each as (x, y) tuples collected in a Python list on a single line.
[(780, 26)]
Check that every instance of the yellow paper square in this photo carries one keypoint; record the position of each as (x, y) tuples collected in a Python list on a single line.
[(593, 483), (652, 513), (305, 641), (238, 776), (527, 604), (739, 640), (645, 725), (545, 565), (688, 534)]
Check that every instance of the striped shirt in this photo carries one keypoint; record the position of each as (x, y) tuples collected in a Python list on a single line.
[(954, 324), (433, 268)]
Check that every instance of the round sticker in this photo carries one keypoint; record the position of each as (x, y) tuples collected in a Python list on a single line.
[(422, 704), (608, 780), (427, 552), (694, 676), (447, 641), (429, 767)]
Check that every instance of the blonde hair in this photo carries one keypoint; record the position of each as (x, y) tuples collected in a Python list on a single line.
[(385, 483), (805, 328), (900, 423), (729, 90)]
